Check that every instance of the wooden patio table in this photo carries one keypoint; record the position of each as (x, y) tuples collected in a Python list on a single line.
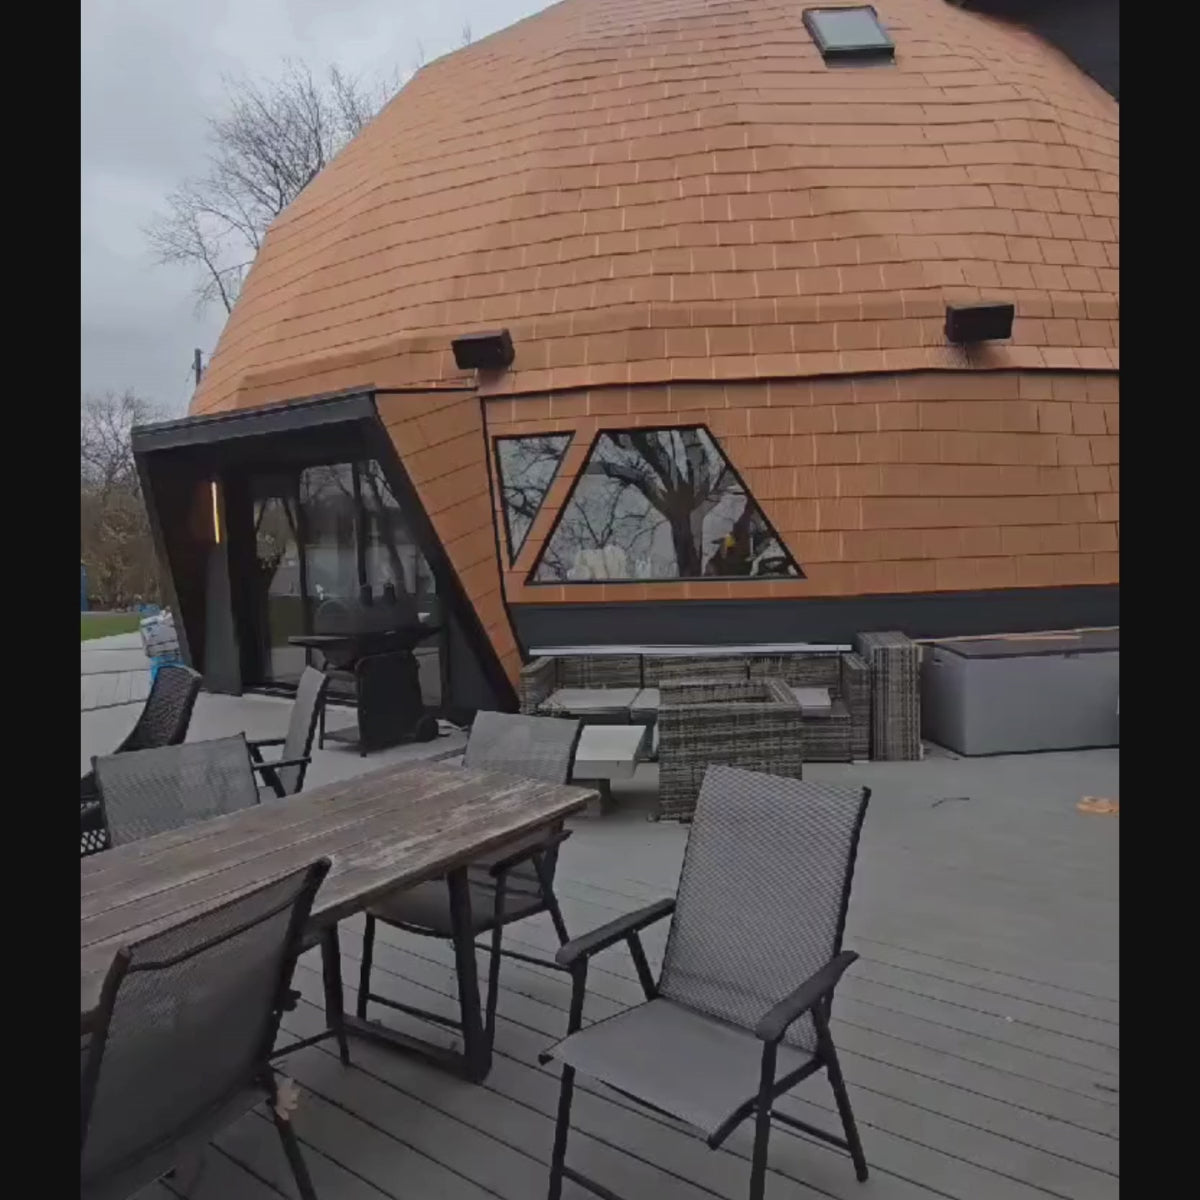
[(395, 827)]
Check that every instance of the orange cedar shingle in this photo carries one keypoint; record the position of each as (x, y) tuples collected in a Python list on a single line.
[(611, 154), (996, 502)]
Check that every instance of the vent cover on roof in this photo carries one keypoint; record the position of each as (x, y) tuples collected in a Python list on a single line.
[(849, 34)]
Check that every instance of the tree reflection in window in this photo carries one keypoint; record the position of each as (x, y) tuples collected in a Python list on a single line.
[(660, 504), (526, 466)]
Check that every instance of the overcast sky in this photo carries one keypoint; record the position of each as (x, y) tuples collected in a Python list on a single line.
[(151, 74)]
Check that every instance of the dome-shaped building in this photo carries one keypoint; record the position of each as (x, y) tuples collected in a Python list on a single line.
[(738, 248)]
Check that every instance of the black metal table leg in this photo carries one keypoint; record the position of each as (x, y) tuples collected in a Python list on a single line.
[(475, 1061), (331, 973), (477, 1053)]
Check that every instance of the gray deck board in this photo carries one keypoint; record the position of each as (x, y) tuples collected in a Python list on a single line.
[(1056, 1088), (979, 1032), (933, 1135)]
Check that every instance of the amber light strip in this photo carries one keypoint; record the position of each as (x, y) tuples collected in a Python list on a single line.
[(216, 514)]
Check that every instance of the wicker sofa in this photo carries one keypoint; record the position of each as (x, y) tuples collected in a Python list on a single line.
[(751, 723), (628, 687)]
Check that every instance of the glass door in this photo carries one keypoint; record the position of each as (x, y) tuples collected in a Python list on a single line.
[(280, 586), (392, 562), (333, 532)]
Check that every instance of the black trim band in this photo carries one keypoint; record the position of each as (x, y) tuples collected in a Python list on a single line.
[(821, 619)]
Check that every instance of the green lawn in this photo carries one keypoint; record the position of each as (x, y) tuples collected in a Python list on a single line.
[(96, 625)]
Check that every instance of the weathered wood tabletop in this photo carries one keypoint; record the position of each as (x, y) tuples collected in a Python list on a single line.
[(397, 826)]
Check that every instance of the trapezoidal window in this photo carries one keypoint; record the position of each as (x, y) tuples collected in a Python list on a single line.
[(526, 467), (660, 504)]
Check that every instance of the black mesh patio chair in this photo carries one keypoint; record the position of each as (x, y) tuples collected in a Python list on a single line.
[(154, 791), (180, 1047), (151, 791), (163, 721), (284, 776), (512, 883), (740, 1011)]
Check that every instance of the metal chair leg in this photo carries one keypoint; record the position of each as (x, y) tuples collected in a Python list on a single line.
[(560, 926), (493, 988), (291, 1147), (331, 974), (493, 983), (841, 1096), (550, 899), (364, 973), (762, 1124), (562, 1125)]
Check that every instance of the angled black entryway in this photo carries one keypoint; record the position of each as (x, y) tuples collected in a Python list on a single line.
[(263, 517)]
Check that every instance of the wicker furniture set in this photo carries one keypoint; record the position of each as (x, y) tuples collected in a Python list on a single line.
[(752, 723), (765, 712), (629, 688)]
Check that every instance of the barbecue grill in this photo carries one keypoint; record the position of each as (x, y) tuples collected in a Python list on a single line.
[(368, 648)]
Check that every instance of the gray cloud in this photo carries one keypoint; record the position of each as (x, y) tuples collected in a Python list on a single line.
[(151, 74)]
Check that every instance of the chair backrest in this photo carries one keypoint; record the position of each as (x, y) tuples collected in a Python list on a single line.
[(151, 791), (302, 725), (762, 895), (187, 1020), (167, 713), (534, 747)]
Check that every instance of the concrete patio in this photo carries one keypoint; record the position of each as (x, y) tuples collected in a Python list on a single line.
[(978, 1032)]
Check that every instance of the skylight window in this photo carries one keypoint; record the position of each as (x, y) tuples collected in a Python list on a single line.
[(849, 34)]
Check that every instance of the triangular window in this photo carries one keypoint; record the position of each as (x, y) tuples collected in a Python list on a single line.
[(526, 467), (660, 504)]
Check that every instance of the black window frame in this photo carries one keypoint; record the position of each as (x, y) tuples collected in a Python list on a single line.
[(514, 550), (532, 581), (862, 52)]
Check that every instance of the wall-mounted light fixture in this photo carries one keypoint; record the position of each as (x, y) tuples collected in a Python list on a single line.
[(483, 351), (967, 323), (216, 507)]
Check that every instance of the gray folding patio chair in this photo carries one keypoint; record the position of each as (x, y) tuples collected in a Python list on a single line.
[(740, 1011), (180, 1048), (154, 791), (284, 776), (512, 883), (151, 791), (163, 721)]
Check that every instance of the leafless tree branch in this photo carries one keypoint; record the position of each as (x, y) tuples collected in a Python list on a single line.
[(114, 534), (272, 140)]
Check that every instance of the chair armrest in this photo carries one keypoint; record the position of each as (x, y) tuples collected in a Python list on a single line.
[(775, 1023), (276, 763), (608, 935), (502, 865), (255, 742)]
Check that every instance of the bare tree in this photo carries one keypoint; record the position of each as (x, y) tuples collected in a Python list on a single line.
[(527, 467), (273, 140), (114, 533)]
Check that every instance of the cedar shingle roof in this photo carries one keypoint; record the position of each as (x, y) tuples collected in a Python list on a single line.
[(654, 190)]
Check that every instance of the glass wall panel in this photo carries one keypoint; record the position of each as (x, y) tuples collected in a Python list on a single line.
[(334, 532), (526, 467), (660, 504)]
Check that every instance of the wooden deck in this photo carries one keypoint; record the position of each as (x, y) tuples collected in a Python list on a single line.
[(978, 1032)]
